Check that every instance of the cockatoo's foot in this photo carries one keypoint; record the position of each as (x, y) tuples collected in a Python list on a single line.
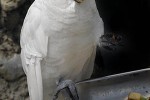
[(68, 85), (79, 1)]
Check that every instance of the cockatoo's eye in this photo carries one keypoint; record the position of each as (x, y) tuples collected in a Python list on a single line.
[(79, 1)]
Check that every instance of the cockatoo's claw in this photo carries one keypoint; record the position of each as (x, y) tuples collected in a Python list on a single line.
[(67, 84)]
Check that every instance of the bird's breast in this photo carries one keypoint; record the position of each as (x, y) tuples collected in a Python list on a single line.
[(68, 24), (69, 30)]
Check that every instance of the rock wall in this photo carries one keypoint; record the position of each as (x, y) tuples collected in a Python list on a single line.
[(13, 85)]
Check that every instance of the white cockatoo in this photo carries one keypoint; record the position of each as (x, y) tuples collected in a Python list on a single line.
[(58, 41)]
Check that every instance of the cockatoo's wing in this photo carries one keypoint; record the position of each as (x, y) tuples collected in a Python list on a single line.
[(32, 35), (34, 46), (33, 40)]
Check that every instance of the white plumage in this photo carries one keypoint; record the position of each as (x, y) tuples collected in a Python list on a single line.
[(58, 41)]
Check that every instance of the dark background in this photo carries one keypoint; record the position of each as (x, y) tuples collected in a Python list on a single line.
[(129, 17)]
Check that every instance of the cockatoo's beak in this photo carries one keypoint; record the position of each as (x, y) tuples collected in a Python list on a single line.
[(79, 1)]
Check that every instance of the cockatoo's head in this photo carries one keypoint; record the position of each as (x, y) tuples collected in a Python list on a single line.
[(79, 1)]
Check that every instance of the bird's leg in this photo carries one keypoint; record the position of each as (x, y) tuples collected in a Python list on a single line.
[(67, 84)]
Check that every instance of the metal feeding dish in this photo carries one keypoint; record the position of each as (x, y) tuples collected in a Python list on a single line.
[(115, 87)]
